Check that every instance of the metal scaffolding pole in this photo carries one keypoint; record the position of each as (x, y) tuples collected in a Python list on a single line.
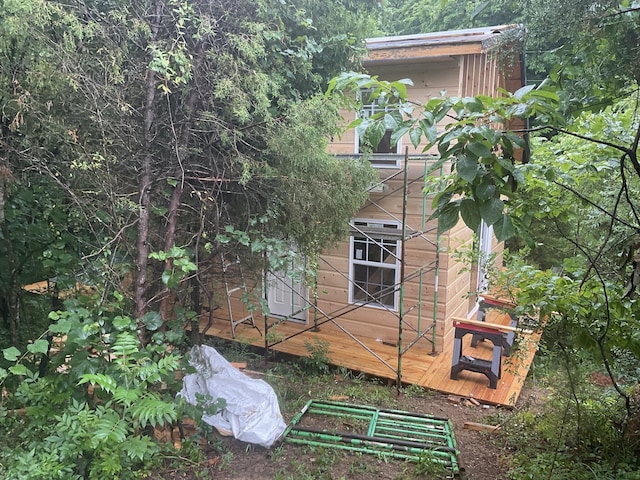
[(402, 268), (407, 233)]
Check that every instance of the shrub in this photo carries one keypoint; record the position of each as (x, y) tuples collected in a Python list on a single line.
[(93, 415)]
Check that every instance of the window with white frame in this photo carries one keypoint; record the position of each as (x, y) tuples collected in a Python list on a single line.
[(385, 154), (374, 263)]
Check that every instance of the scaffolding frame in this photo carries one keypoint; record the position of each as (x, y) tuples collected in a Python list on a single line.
[(407, 234), (383, 432)]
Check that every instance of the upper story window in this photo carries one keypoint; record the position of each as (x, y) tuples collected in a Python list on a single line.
[(385, 154)]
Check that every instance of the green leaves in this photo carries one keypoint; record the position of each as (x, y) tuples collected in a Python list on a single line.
[(11, 354), (415, 135), (39, 346), (479, 148), (484, 190), (491, 210), (110, 428), (125, 399), (448, 216), (151, 410), (503, 228), (19, 370), (140, 447), (374, 131), (152, 320), (430, 130), (467, 167), (106, 382), (470, 213), (179, 259), (483, 155), (125, 345)]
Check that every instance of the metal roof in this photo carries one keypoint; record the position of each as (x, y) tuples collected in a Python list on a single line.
[(424, 45)]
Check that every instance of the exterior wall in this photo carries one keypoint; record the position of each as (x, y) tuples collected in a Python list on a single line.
[(479, 75), (455, 278), (438, 294), (466, 75), (430, 79), (420, 254)]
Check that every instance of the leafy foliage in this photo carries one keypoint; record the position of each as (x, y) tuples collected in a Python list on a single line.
[(573, 204), (312, 42), (403, 17), (588, 46), (583, 54), (570, 438), (483, 156), (577, 187), (318, 360), (138, 105), (95, 432)]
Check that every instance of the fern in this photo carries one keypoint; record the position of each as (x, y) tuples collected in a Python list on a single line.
[(138, 447), (125, 346), (67, 437), (110, 427), (148, 372), (153, 411), (126, 396), (168, 364), (106, 382), (107, 464)]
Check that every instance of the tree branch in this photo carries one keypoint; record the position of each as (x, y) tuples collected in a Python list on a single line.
[(596, 206), (542, 128)]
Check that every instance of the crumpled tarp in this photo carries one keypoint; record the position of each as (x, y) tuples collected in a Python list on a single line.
[(252, 413)]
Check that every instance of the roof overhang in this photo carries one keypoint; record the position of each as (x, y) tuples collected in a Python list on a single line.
[(432, 46)]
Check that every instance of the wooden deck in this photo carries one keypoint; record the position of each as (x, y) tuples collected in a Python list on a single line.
[(418, 365)]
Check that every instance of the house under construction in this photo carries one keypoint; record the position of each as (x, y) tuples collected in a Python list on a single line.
[(386, 299)]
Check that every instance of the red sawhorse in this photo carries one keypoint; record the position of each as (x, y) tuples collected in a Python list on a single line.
[(496, 334)]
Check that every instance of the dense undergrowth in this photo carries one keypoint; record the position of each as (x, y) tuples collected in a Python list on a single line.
[(82, 400), (581, 429), (92, 405)]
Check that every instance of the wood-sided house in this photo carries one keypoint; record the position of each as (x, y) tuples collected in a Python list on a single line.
[(395, 281)]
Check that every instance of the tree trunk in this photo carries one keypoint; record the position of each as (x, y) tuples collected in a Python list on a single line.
[(170, 241), (142, 244), (182, 145), (5, 176)]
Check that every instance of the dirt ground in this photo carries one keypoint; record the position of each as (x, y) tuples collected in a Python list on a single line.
[(481, 454)]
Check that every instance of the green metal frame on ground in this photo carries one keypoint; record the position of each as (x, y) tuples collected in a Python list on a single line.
[(393, 433)]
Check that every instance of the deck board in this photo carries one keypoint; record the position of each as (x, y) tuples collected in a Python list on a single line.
[(419, 366)]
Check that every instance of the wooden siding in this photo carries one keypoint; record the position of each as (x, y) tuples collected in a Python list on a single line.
[(479, 75), (442, 292), (431, 79), (420, 252)]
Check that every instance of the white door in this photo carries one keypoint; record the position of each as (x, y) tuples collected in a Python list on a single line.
[(484, 257), (287, 296)]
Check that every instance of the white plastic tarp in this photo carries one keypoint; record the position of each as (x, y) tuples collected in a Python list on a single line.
[(252, 413)]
